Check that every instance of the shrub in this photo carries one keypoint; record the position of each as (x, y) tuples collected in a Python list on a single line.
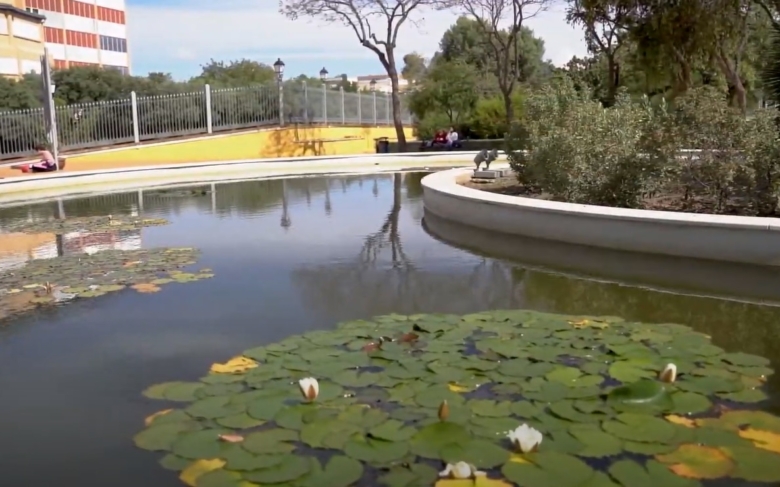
[(580, 152)]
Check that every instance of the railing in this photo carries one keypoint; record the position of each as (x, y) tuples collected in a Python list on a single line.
[(144, 118)]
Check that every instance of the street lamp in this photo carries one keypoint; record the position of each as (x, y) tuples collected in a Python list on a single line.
[(323, 74), (279, 70)]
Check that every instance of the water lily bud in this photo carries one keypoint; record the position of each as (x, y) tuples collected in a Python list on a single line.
[(669, 374), (444, 411), (525, 438), (310, 388)]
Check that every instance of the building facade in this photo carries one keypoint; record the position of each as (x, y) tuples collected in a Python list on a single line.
[(21, 40), (92, 32), (381, 83)]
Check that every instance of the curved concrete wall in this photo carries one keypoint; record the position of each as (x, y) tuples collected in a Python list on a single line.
[(749, 240), (59, 184)]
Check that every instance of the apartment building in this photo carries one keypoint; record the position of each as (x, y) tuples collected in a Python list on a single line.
[(378, 82), (21, 40), (92, 32)]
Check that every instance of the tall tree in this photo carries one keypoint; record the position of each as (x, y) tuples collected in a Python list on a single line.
[(503, 44), (606, 25), (376, 24), (414, 68)]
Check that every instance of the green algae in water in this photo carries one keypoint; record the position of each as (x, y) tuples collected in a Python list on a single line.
[(398, 397), (47, 282), (83, 224)]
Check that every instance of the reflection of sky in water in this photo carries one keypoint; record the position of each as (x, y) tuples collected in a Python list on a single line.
[(354, 248)]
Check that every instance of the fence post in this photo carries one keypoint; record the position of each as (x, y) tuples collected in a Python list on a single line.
[(360, 108), (305, 103), (325, 103), (134, 108), (387, 108), (343, 113), (281, 101), (209, 120), (374, 98)]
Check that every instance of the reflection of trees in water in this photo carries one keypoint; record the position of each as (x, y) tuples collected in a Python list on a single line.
[(733, 325), (384, 279)]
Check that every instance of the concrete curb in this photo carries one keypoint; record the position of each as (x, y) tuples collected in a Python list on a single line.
[(65, 184), (751, 240)]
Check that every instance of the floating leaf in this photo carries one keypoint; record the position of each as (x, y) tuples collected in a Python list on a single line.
[(375, 451), (431, 440), (682, 421), (340, 471), (754, 465), (146, 288), (549, 469), (767, 440), (480, 453), (698, 462), (191, 474), (639, 427), (152, 417), (236, 365), (291, 468)]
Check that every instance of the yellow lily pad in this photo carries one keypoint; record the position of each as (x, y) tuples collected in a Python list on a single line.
[(762, 439), (146, 288), (681, 420), (236, 365), (479, 481), (580, 324), (734, 420), (457, 387), (196, 469), (150, 419), (698, 462)]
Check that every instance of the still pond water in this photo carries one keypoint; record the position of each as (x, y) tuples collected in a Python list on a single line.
[(292, 256)]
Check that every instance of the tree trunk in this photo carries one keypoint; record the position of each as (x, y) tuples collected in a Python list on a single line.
[(397, 121), (613, 81), (737, 91), (508, 107)]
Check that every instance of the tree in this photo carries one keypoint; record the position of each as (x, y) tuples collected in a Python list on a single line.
[(503, 43), (414, 68), (235, 74), (449, 88), (358, 15), (606, 27)]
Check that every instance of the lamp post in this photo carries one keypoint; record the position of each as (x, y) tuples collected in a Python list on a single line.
[(324, 79), (279, 70), (48, 108), (323, 75)]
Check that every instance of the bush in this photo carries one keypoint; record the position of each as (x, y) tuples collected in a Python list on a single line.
[(489, 118), (580, 152)]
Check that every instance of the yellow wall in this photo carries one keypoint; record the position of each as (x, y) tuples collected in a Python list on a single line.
[(286, 142)]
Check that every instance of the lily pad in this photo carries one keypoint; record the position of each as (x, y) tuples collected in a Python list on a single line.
[(698, 462), (291, 468), (640, 427)]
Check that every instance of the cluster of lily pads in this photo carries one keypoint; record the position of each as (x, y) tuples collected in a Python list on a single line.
[(45, 282), (491, 399), (62, 226)]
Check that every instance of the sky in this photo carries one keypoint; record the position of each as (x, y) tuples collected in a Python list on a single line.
[(178, 36)]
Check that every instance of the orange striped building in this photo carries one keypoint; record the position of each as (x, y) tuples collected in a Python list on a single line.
[(81, 33)]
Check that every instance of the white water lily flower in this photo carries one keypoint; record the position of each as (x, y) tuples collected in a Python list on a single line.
[(669, 374), (461, 470), (525, 438), (310, 388)]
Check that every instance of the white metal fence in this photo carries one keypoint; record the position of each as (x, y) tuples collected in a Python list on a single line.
[(137, 119)]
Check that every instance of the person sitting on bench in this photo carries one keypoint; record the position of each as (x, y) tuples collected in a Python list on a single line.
[(452, 139)]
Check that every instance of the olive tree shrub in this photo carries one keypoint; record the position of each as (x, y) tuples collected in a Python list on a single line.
[(701, 152), (581, 152)]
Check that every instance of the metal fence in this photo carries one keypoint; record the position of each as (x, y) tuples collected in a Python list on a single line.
[(138, 119)]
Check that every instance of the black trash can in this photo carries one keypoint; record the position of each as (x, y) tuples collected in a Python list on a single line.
[(382, 145)]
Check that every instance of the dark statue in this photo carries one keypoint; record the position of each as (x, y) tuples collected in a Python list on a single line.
[(486, 157)]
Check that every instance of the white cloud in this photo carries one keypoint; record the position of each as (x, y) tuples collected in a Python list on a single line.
[(231, 29)]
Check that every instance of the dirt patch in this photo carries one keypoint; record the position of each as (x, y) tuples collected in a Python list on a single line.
[(508, 185)]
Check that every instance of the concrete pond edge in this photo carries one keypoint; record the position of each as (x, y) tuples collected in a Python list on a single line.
[(741, 239)]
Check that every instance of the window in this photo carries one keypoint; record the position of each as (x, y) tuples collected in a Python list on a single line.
[(115, 44), (32, 10)]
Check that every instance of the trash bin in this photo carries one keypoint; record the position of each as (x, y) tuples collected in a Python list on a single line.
[(382, 145)]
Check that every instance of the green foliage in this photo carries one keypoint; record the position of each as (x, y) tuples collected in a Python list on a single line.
[(489, 118), (580, 152)]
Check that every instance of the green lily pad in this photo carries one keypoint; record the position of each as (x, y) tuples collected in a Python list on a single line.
[(639, 427), (239, 421), (631, 474), (549, 469), (754, 465), (375, 451), (488, 408), (480, 453), (392, 430), (175, 463), (431, 440), (331, 433), (201, 444), (745, 359), (597, 443), (161, 437), (213, 408), (273, 442), (409, 476), (240, 460), (340, 471), (628, 372), (291, 468), (690, 403)]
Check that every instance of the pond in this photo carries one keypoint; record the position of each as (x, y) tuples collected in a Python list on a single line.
[(287, 257)]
